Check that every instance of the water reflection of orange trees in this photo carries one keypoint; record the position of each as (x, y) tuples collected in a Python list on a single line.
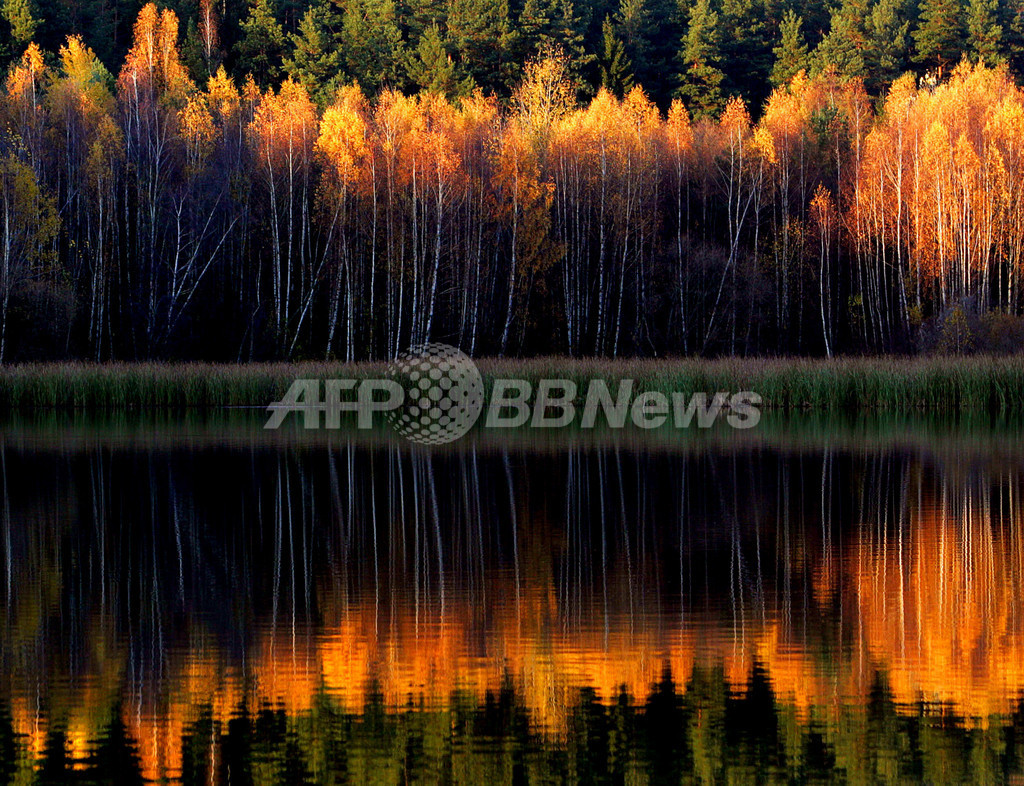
[(924, 588), (939, 585)]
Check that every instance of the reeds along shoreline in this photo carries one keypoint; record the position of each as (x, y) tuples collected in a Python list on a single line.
[(942, 384)]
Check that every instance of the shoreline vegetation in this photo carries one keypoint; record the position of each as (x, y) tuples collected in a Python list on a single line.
[(889, 384)]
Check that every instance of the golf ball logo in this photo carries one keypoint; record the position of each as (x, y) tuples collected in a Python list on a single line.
[(444, 393)]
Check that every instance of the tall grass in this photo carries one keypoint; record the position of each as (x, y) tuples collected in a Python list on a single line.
[(891, 384), (158, 385), (848, 384)]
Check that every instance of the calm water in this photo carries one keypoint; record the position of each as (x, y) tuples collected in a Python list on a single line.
[(198, 601)]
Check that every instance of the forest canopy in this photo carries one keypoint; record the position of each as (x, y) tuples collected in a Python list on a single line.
[(704, 51), (342, 181)]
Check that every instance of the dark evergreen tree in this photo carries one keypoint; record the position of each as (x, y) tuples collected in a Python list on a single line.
[(984, 33), (431, 66), (262, 48), (192, 53), (791, 52), (552, 25), (315, 60), (634, 27), (419, 15), (887, 48), (371, 41), (843, 47), (701, 78), (648, 30), (616, 70), (939, 36), (483, 36), (748, 37)]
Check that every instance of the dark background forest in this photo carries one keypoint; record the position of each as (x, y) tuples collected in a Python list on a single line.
[(704, 51), (246, 180)]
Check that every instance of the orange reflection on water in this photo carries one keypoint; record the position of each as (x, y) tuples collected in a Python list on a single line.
[(929, 594), (940, 604)]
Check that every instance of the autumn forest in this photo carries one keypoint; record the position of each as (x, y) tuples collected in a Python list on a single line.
[(282, 204)]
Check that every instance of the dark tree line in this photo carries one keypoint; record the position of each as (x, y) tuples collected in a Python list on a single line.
[(704, 50)]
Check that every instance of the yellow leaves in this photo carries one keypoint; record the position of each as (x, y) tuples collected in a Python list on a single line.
[(30, 220), (516, 164), (23, 109), (823, 209), (424, 139), (250, 91), (798, 83), (901, 97), (523, 200), (222, 96), (78, 62), (944, 163), (197, 130), (82, 88), (615, 135), (478, 114), (393, 119), (641, 114), (174, 75), (284, 127), (677, 130), (785, 116), (32, 60), (937, 150), (153, 63), (735, 119), (544, 96), (25, 79), (343, 136), (602, 115), (105, 150), (764, 146)]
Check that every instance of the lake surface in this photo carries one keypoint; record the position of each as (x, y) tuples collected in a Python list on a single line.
[(197, 600)]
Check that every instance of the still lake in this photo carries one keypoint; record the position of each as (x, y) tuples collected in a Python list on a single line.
[(194, 599)]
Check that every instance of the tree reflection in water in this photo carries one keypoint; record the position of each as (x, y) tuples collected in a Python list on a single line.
[(369, 613)]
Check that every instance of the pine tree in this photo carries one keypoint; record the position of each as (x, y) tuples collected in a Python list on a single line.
[(616, 70), (649, 31), (568, 36), (939, 34), (843, 47), (553, 24), (18, 14), (633, 22), (886, 55), (315, 60), (432, 67), (984, 33), (536, 21), (483, 36), (791, 53), (748, 35), (419, 15), (106, 24), (263, 44), (701, 86), (372, 44)]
